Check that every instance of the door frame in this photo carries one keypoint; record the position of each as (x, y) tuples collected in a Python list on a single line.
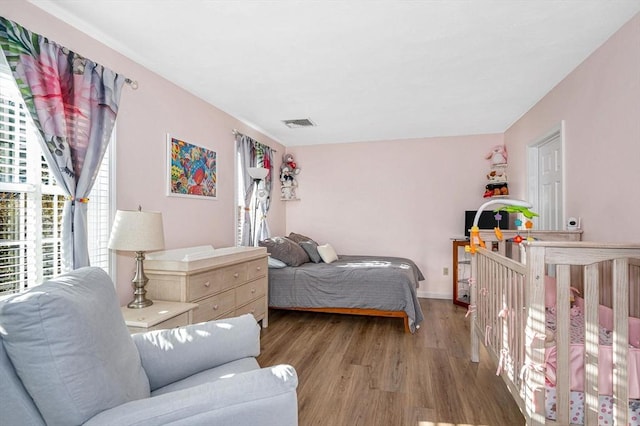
[(533, 180)]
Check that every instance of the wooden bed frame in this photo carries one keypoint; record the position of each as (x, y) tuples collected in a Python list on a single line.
[(508, 308), (357, 311)]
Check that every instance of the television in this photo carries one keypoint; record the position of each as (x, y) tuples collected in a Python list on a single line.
[(487, 220)]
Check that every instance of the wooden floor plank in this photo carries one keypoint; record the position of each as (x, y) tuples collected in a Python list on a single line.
[(356, 370)]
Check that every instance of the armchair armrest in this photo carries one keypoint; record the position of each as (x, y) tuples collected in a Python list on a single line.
[(259, 397), (171, 355)]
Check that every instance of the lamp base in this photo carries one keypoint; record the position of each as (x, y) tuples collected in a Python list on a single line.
[(139, 304), (139, 282)]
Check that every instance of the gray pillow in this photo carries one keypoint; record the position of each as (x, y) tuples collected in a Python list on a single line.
[(286, 250), (70, 347), (299, 237), (311, 247)]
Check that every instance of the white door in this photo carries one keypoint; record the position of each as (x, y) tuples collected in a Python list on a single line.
[(550, 184), (546, 180)]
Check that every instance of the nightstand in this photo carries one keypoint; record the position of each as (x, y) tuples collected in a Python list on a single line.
[(461, 273), (162, 314)]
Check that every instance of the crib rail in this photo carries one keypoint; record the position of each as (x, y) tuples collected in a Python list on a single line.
[(508, 316)]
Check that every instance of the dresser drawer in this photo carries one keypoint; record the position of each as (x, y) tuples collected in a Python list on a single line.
[(214, 306), (204, 284), (258, 308), (251, 290), (234, 275), (256, 268)]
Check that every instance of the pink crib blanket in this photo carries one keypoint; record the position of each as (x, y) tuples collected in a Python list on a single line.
[(605, 353)]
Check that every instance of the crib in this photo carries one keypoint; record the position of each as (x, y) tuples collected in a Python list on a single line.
[(516, 289)]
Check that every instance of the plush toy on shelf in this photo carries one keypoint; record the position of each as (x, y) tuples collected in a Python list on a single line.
[(288, 172), (496, 189), (497, 177), (498, 155)]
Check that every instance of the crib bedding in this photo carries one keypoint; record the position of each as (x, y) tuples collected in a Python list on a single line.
[(605, 408), (605, 354), (365, 282)]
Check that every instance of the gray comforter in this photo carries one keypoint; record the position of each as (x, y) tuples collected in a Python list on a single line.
[(369, 282)]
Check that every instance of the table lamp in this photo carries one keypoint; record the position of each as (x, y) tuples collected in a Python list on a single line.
[(139, 232)]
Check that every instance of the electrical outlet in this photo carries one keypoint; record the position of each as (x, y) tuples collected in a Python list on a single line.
[(445, 271)]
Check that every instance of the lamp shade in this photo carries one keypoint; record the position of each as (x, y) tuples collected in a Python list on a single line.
[(258, 172), (137, 231)]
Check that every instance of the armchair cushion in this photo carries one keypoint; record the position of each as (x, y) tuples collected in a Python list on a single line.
[(71, 382), (171, 355), (265, 397), (211, 375), (17, 405)]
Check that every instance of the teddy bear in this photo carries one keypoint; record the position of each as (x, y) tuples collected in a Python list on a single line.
[(496, 176), (289, 163), (496, 189), (288, 172)]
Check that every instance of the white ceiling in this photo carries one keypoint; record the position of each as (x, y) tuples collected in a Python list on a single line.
[(361, 70)]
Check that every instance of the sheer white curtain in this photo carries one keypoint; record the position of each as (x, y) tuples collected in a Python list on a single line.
[(251, 209)]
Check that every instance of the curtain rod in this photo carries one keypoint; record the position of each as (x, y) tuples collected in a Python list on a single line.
[(236, 132), (132, 83)]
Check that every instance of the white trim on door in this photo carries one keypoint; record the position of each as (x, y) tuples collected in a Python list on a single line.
[(533, 178)]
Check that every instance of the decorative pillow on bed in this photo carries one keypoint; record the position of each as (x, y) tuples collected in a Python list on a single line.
[(275, 263), (311, 247), (327, 253), (299, 238), (285, 250)]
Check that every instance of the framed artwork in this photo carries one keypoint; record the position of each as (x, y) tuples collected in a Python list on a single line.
[(192, 170)]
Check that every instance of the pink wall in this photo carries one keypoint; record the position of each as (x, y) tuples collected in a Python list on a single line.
[(401, 198), (146, 115), (600, 105)]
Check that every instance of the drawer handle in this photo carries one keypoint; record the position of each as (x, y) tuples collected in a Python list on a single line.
[(215, 307), (259, 268), (207, 284), (253, 290), (236, 275)]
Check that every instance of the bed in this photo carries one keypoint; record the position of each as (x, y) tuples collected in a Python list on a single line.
[(560, 320), (357, 285)]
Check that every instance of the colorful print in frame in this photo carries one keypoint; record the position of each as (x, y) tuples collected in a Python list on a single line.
[(192, 170)]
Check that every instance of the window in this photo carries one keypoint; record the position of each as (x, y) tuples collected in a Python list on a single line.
[(31, 203)]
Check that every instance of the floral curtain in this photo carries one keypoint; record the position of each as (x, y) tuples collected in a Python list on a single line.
[(253, 154), (73, 102)]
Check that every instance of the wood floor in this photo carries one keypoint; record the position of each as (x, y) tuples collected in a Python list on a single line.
[(356, 370)]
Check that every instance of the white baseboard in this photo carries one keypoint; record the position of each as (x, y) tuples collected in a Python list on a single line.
[(431, 295)]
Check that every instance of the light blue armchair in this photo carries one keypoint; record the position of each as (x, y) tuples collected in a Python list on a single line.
[(66, 358)]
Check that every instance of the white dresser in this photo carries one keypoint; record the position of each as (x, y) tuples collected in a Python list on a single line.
[(227, 282)]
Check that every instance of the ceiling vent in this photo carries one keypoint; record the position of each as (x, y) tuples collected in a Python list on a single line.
[(299, 123)]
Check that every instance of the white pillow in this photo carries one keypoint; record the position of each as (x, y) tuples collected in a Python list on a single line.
[(327, 253), (275, 263)]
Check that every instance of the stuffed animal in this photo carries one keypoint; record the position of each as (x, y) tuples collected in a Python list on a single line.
[(498, 155), (496, 176), (288, 189), (290, 164), (288, 171), (496, 189)]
